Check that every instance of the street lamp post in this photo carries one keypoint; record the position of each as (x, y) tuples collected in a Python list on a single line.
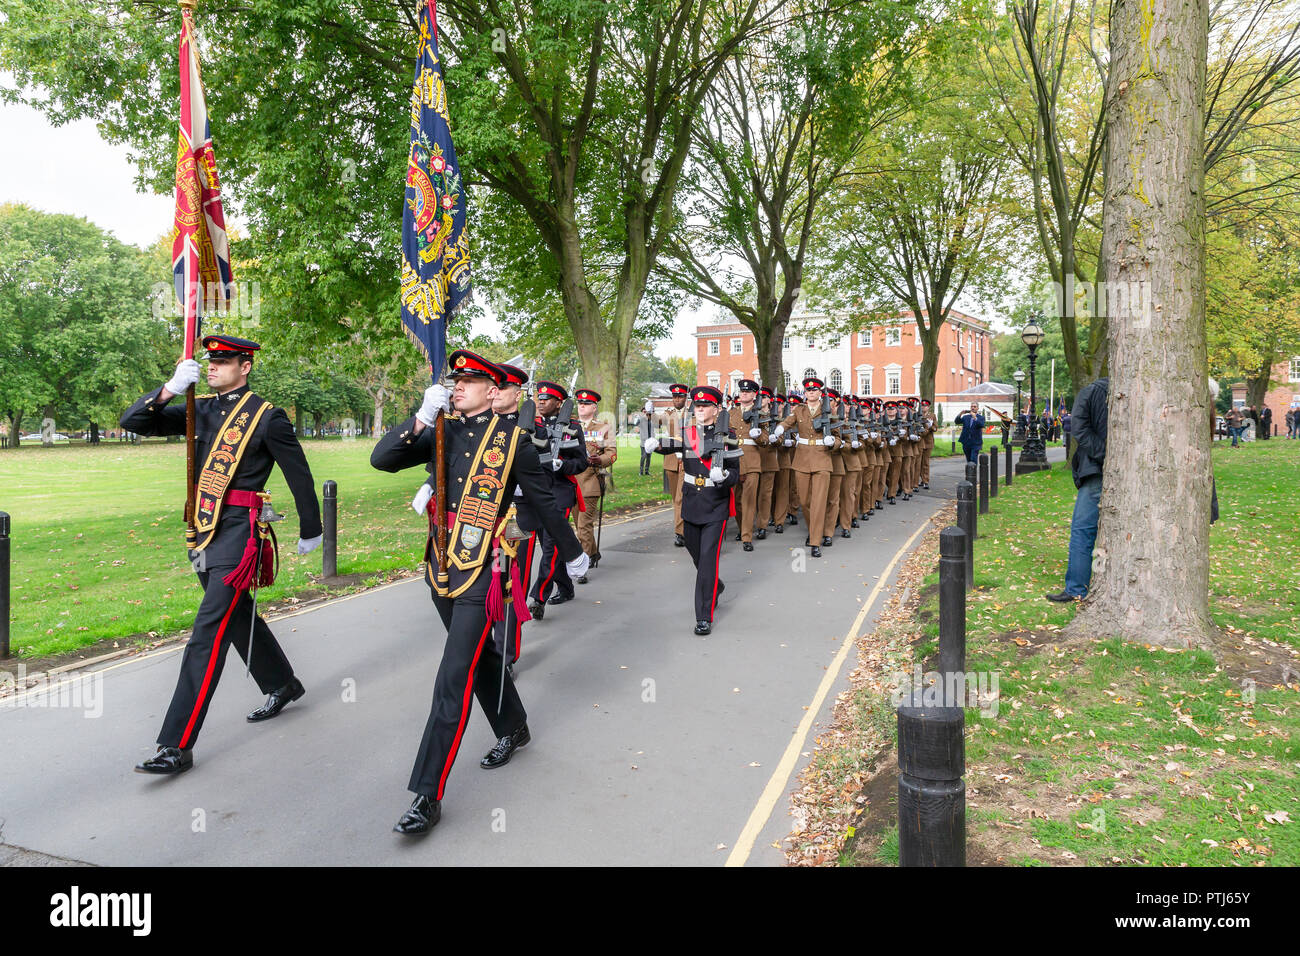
[(1033, 456)]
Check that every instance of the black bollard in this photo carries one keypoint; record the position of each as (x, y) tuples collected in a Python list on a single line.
[(931, 792), (984, 484), (4, 584), (330, 553), (952, 602), (993, 473), (966, 521), (1008, 464), (971, 473)]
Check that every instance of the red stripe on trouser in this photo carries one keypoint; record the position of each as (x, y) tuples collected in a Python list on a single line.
[(550, 572), (207, 676), (464, 710), (716, 558)]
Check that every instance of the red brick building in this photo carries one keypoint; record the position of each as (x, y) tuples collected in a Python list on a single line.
[(882, 360), (1280, 397)]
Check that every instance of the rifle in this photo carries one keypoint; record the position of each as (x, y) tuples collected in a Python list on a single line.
[(558, 436)]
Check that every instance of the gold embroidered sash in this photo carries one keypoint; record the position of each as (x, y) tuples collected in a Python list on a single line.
[(219, 469)]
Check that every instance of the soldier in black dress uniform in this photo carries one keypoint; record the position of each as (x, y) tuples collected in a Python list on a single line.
[(506, 404), (711, 470), (562, 477), (487, 458), (255, 435)]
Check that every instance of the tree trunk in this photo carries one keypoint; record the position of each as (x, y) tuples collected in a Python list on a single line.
[(377, 422), (94, 433), (929, 358), (1150, 581), (1257, 384), (297, 421), (48, 414), (15, 429)]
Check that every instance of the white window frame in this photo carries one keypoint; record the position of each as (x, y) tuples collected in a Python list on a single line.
[(893, 380), (864, 379), (1295, 369), (738, 346), (812, 343), (715, 346), (785, 381), (714, 379), (893, 332), (916, 378), (785, 343), (734, 380), (835, 380), (864, 339)]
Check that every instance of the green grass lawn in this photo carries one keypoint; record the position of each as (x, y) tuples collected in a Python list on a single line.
[(1114, 753), (98, 544)]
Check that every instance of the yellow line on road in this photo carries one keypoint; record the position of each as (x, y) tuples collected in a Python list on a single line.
[(777, 783)]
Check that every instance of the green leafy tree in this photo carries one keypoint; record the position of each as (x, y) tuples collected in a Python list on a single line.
[(77, 319)]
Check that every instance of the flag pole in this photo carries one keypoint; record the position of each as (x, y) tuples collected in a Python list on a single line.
[(191, 329)]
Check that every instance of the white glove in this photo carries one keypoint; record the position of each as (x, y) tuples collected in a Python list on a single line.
[(789, 442), (420, 503), (436, 399), (185, 375), (914, 437), (578, 566), (308, 545), (875, 435), (716, 474), (856, 443), (649, 408), (893, 441), (778, 431), (754, 433), (650, 444), (556, 464), (828, 441)]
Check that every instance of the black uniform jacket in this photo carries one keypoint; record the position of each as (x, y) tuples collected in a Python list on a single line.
[(704, 503), (272, 443), (402, 448), (573, 461)]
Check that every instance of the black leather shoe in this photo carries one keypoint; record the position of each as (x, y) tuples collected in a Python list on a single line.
[(721, 587), (771, 523), (421, 818), (679, 541), (854, 523), (595, 560), (761, 534), (907, 497), (827, 541), (780, 529), (748, 546), (816, 552), (537, 609), (581, 580), (925, 485), (878, 505), (1063, 598), (278, 700), (791, 519), (500, 754), (806, 542), (167, 760), (703, 627), (892, 501), (844, 533), (559, 598)]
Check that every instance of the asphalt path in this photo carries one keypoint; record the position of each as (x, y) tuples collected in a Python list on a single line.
[(651, 746)]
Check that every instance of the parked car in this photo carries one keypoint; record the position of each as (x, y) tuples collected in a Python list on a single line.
[(36, 436)]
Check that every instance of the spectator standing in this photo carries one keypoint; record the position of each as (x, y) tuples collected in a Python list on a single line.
[(972, 432), (1265, 423), (1088, 426), (1235, 421)]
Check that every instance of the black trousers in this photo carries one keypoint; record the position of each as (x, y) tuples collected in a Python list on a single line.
[(551, 572), (704, 542), (222, 620), (645, 462), (470, 666)]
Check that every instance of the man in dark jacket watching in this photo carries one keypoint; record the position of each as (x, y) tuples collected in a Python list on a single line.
[(1088, 429), (972, 432)]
